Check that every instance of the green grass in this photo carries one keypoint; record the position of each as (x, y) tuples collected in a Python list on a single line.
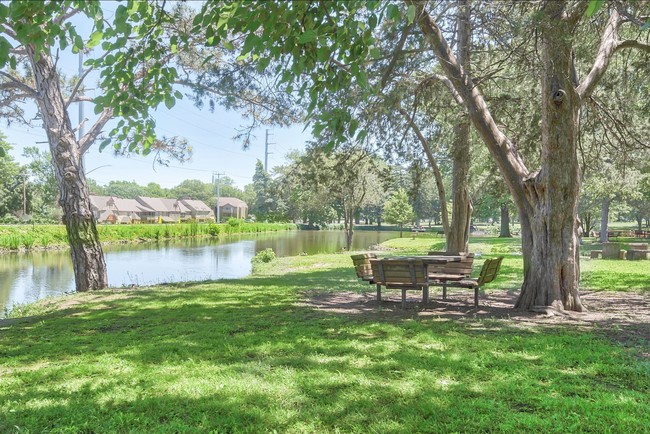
[(247, 356), (15, 237)]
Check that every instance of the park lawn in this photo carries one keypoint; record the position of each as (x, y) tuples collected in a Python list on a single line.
[(247, 356)]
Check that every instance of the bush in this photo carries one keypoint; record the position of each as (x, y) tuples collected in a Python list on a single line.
[(214, 230), (264, 256)]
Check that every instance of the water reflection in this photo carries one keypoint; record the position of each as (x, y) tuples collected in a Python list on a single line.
[(26, 277)]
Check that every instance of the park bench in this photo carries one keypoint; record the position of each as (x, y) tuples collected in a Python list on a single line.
[(401, 273), (488, 273), (362, 266), (637, 251)]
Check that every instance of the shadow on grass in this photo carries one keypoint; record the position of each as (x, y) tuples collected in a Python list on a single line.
[(245, 355)]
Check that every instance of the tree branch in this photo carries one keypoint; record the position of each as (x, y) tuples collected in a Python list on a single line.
[(13, 83), (71, 98), (505, 154), (89, 138), (631, 43), (434, 166), (395, 56), (607, 47)]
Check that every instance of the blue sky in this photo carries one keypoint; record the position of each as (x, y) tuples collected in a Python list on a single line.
[(209, 134)]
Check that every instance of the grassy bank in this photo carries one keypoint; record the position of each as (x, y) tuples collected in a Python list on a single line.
[(26, 237), (248, 355)]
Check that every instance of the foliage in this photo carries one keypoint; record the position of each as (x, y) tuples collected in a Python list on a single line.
[(397, 209), (264, 256), (54, 236)]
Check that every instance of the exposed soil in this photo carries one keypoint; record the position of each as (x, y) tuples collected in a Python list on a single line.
[(622, 316)]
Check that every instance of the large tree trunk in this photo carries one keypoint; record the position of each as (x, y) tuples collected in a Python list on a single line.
[(85, 248), (461, 212), (505, 222), (604, 220), (549, 226)]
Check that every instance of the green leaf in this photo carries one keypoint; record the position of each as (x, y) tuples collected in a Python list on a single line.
[(2, 151), (178, 94), (392, 11), (104, 144), (375, 52), (410, 14), (594, 6), (308, 36), (263, 63), (169, 102), (95, 39), (5, 48)]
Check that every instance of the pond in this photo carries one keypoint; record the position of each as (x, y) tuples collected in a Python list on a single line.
[(27, 277)]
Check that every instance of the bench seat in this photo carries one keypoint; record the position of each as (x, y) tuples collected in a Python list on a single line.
[(488, 273)]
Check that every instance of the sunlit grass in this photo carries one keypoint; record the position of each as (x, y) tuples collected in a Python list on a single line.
[(248, 356)]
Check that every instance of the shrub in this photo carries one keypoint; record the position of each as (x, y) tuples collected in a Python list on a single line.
[(264, 256), (214, 229)]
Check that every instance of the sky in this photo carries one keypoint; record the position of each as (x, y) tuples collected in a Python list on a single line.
[(208, 133)]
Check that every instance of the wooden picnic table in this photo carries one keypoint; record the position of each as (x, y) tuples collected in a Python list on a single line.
[(407, 273)]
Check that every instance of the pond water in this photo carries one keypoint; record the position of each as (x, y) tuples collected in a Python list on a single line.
[(27, 277)]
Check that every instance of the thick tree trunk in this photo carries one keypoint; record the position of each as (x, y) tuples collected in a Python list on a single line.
[(461, 212), (85, 248), (549, 225), (505, 222), (604, 220)]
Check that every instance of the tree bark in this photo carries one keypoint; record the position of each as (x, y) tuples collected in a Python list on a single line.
[(604, 220), (550, 226), (505, 222), (87, 255), (461, 212)]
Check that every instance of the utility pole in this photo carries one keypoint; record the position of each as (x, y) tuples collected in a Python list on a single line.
[(218, 176), (266, 150), (24, 195), (81, 110)]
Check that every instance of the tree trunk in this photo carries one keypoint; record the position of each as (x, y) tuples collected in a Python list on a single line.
[(587, 223), (400, 230), (604, 220), (549, 224), (85, 248), (505, 222), (461, 212), (348, 224)]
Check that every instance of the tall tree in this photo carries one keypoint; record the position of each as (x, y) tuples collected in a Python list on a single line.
[(131, 59), (547, 199), (397, 209)]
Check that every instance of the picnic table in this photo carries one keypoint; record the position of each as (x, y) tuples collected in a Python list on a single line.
[(407, 273)]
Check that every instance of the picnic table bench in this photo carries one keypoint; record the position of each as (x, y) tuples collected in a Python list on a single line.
[(405, 273), (362, 266)]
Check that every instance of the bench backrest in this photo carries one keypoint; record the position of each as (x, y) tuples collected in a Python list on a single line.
[(362, 264), (397, 271), (463, 268), (489, 270)]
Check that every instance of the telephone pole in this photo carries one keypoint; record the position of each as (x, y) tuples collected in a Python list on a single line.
[(218, 176), (266, 150)]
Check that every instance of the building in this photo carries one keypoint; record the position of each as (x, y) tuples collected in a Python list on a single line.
[(197, 209), (115, 210), (232, 207)]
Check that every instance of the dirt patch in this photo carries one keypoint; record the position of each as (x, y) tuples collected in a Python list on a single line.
[(622, 316)]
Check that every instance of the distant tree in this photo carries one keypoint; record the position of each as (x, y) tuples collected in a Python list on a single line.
[(397, 209), (43, 184), (11, 181)]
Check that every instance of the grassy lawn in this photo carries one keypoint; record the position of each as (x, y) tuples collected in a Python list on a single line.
[(247, 356)]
